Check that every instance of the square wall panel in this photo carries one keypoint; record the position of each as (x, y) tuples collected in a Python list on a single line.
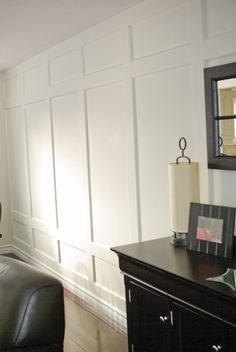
[(35, 79), (64, 67), (108, 277), (103, 53), (45, 244), (74, 260)]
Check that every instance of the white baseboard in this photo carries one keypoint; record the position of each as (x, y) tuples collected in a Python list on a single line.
[(98, 307), (108, 313), (4, 249)]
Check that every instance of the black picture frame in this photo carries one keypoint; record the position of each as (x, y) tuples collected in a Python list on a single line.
[(211, 229)]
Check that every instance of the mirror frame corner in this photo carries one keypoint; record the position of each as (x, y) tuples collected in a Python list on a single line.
[(211, 76)]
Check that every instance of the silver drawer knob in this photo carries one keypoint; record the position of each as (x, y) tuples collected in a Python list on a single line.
[(216, 348), (163, 319)]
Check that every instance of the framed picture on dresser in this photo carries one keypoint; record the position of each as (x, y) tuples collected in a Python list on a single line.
[(211, 229)]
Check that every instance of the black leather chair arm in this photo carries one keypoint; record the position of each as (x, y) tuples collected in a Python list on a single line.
[(32, 308)]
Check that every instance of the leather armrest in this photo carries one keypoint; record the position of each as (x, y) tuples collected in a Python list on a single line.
[(32, 306)]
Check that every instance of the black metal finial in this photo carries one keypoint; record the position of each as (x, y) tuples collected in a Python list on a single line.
[(182, 147)]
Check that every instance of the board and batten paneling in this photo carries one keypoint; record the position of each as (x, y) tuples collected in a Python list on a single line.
[(91, 126)]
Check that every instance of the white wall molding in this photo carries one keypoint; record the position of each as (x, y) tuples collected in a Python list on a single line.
[(4, 249), (97, 121)]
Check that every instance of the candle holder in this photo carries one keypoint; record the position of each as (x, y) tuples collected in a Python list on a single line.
[(183, 189)]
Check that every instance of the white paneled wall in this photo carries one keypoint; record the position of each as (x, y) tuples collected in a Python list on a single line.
[(5, 224), (92, 124)]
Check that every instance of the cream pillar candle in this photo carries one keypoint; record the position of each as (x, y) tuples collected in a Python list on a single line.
[(183, 188)]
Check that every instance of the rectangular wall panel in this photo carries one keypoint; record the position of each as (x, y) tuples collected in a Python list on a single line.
[(64, 67), (103, 53), (13, 88), (22, 232), (45, 244), (1, 96), (71, 169), (164, 105), (74, 259), (18, 164), (41, 162), (109, 145), (35, 79), (216, 12), (108, 277), (165, 31)]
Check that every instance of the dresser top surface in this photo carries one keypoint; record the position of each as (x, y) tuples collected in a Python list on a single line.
[(179, 262)]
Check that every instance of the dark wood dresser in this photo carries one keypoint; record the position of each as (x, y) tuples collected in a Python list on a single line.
[(170, 304)]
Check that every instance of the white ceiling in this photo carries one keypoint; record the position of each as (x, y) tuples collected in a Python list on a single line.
[(28, 27)]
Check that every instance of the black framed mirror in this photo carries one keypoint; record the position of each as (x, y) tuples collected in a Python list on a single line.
[(220, 100)]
